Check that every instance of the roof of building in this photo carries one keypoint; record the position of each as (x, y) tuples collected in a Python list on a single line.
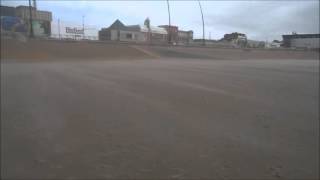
[(25, 7), (7, 11), (182, 31), (153, 29), (138, 28), (133, 28), (295, 36), (117, 25), (167, 26)]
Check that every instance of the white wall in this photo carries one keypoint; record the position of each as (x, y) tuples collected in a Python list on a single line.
[(89, 30), (114, 35), (305, 42)]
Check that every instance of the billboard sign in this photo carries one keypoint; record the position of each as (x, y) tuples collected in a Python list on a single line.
[(14, 24), (74, 30)]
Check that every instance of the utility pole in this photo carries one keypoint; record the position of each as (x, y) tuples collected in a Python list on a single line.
[(30, 20), (203, 34), (169, 28), (59, 28), (34, 4), (83, 26)]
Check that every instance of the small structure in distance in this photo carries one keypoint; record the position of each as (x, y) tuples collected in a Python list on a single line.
[(145, 33)]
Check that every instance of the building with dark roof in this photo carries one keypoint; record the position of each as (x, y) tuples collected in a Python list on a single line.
[(178, 36), (133, 33), (185, 37), (309, 41)]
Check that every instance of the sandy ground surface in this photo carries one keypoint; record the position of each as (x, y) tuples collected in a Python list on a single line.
[(37, 50), (163, 118), (229, 54)]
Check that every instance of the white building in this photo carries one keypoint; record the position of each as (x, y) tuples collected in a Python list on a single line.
[(136, 33), (309, 41), (255, 44)]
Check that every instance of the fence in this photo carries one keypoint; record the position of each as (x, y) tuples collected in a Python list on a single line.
[(60, 27), (73, 37)]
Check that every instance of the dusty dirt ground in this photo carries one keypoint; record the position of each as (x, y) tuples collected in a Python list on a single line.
[(36, 50), (173, 112), (230, 54), (160, 118)]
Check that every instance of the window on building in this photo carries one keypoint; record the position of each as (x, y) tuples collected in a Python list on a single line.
[(129, 36)]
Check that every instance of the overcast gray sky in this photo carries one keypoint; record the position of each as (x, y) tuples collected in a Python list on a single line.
[(260, 20)]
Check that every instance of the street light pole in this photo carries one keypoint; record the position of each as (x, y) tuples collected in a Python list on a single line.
[(203, 34), (30, 20), (169, 28)]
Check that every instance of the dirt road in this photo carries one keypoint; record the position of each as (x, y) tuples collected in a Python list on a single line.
[(191, 118)]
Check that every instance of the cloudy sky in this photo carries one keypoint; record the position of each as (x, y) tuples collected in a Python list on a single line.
[(260, 20)]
